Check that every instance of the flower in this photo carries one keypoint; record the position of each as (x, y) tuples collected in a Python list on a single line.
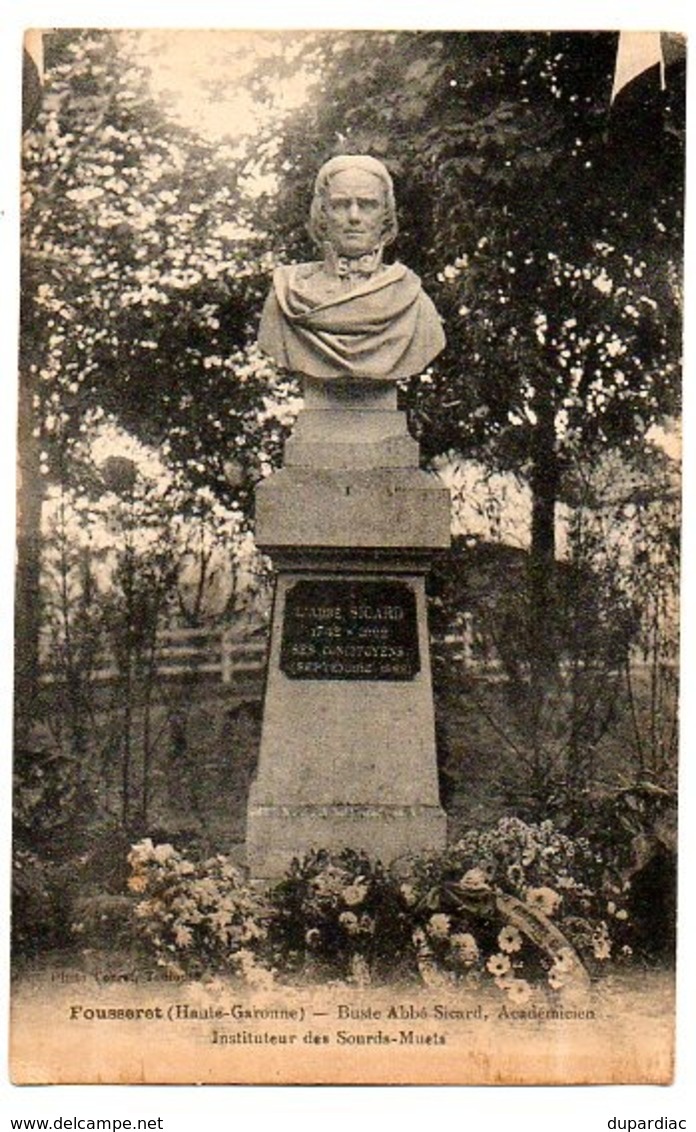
[(354, 893), (565, 881), (439, 925), (164, 853), (419, 938), (503, 982), (622, 914), (409, 894), (475, 880), (556, 978), (515, 875), (601, 943), (564, 961), (601, 948), (498, 965), (251, 930), (183, 936), (349, 922), (137, 883), (519, 990), (466, 947), (312, 937), (544, 899), (509, 939)]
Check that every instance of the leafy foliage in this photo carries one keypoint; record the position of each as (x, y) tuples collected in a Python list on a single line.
[(140, 269)]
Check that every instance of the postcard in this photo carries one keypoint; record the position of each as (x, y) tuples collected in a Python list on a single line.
[(347, 593)]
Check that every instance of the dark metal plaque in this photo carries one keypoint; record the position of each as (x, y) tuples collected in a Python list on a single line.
[(336, 629)]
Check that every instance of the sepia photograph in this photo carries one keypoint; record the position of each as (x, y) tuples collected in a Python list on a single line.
[(346, 671)]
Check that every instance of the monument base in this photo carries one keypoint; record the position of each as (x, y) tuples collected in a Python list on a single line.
[(347, 753), (348, 756), (279, 833)]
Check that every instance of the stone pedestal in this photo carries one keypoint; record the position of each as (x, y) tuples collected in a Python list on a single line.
[(348, 740)]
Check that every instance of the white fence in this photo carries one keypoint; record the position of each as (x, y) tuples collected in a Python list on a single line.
[(183, 652)]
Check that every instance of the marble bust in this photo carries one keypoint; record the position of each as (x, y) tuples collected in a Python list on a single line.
[(349, 315)]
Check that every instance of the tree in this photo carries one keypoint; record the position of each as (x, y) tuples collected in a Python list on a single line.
[(139, 271), (551, 252)]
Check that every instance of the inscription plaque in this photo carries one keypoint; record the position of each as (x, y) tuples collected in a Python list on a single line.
[(350, 630)]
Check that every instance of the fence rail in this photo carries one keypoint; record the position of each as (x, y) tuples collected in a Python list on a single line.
[(186, 652)]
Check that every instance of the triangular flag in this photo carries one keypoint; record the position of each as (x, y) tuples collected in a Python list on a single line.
[(638, 51), (33, 45), (32, 75)]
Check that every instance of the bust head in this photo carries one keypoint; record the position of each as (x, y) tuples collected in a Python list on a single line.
[(353, 208)]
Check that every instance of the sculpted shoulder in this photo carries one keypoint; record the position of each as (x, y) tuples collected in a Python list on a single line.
[(289, 271)]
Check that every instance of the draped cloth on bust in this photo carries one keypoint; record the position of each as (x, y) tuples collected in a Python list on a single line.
[(383, 327)]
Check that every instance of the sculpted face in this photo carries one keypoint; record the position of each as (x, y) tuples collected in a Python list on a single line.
[(355, 211)]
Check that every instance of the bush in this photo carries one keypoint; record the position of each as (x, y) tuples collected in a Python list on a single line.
[(39, 921), (519, 907), (522, 903), (339, 915), (196, 918)]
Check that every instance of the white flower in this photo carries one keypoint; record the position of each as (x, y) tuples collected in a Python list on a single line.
[(498, 965), (409, 894), (556, 978), (519, 990), (564, 961), (544, 899), (466, 947), (349, 922), (354, 893), (475, 880), (439, 925), (509, 939), (183, 936), (601, 943)]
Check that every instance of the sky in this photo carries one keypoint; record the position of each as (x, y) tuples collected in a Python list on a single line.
[(511, 1110), (184, 63)]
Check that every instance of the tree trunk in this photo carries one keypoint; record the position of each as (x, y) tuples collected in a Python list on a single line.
[(30, 493), (543, 636)]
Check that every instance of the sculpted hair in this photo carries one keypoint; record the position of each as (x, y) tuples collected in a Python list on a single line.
[(317, 212)]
